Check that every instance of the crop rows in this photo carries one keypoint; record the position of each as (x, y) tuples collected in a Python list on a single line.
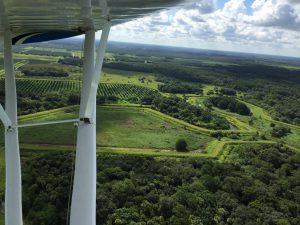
[(48, 53), (40, 86)]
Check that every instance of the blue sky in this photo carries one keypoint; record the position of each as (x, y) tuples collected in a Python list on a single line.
[(248, 3), (257, 26)]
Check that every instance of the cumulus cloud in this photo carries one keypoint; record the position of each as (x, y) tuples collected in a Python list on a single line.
[(203, 7), (294, 1), (275, 13), (272, 22)]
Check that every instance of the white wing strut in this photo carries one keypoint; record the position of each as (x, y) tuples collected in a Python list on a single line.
[(4, 118), (83, 206), (13, 192), (89, 97)]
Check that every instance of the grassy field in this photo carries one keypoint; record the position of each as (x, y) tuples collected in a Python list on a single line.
[(45, 58), (239, 121), (134, 128), (34, 148), (131, 128), (116, 127), (128, 77), (262, 125), (293, 139), (260, 113), (207, 88), (258, 123)]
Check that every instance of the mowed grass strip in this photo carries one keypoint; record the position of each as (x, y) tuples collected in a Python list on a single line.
[(216, 147), (260, 113), (27, 149), (116, 127)]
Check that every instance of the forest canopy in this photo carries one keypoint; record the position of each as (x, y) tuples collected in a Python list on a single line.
[(43, 70), (229, 103), (179, 88), (254, 185)]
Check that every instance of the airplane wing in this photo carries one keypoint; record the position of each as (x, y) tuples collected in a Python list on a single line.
[(41, 20)]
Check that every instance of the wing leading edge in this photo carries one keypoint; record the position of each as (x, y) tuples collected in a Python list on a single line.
[(42, 20)]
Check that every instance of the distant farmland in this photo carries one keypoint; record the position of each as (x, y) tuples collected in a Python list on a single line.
[(43, 86)]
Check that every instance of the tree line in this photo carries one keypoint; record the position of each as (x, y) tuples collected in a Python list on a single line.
[(179, 88), (181, 109), (228, 103), (43, 70)]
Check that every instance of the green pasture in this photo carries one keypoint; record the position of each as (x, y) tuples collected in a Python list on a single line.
[(196, 100), (262, 121), (261, 113), (46, 49), (44, 58), (207, 88), (258, 123), (189, 126), (239, 121), (293, 139), (128, 77), (116, 127), (30, 148)]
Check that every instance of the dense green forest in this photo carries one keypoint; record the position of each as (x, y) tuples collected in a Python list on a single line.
[(282, 100), (74, 61), (30, 103), (280, 131), (228, 103), (227, 91), (43, 70), (179, 88), (255, 184)]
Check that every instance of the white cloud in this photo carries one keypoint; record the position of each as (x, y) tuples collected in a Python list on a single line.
[(275, 13), (203, 7), (273, 26)]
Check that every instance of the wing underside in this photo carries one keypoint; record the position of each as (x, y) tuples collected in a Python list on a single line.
[(36, 20)]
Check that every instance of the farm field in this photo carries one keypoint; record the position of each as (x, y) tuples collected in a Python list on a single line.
[(134, 85), (129, 77), (116, 127), (136, 129), (44, 86), (137, 89)]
